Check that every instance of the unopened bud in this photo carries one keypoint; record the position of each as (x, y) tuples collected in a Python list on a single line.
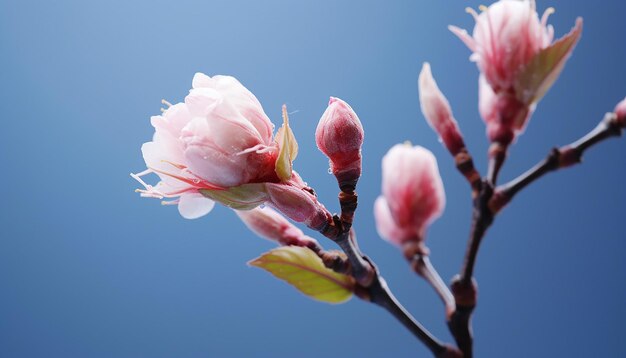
[(413, 194), (297, 202), (339, 136), (271, 225), (438, 113), (620, 111)]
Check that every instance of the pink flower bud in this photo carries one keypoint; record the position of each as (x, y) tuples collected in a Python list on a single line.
[(620, 111), (269, 224), (218, 139), (438, 113), (413, 194), (339, 136), (518, 59), (297, 202)]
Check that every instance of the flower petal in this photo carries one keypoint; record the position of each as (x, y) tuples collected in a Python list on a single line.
[(194, 205), (537, 77)]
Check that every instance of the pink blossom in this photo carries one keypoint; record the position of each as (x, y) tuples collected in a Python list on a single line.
[(620, 111), (413, 194), (437, 111), (518, 59), (271, 225), (339, 136), (217, 145)]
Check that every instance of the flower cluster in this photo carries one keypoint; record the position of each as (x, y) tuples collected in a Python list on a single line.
[(218, 145)]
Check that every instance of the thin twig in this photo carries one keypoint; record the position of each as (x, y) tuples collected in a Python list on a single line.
[(558, 158), (465, 165), (422, 266), (380, 294)]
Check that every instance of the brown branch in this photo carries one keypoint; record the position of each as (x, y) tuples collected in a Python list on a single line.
[(380, 294), (489, 202), (465, 165), (558, 158), (420, 263)]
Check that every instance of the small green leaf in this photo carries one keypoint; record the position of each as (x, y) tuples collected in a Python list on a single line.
[(538, 76), (304, 270), (243, 197), (288, 149)]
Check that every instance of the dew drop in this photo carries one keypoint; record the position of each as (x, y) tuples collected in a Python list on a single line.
[(262, 206), (330, 171)]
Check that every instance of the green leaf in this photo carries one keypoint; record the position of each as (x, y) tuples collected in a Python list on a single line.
[(304, 270), (243, 197), (538, 76), (288, 149)]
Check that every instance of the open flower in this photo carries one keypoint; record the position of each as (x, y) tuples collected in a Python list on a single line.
[(413, 194), (518, 59), (216, 146)]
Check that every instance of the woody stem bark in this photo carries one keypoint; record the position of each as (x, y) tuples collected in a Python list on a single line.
[(490, 201), (558, 158), (371, 285)]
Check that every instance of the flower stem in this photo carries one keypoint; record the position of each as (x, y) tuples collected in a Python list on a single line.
[(381, 295), (422, 266)]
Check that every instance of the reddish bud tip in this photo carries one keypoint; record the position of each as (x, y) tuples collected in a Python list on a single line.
[(438, 113), (339, 136)]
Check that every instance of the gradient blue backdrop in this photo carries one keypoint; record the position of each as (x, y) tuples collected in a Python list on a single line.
[(88, 269)]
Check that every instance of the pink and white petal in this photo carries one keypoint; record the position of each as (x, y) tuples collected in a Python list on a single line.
[(464, 36), (200, 80), (247, 104), (211, 148), (194, 205), (201, 101), (386, 225)]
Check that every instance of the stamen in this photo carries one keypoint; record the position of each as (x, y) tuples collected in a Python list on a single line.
[(137, 177), (259, 148), (472, 12), (544, 19), (170, 202), (150, 193), (196, 183), (178, 166), (482, 8), (163, 110), (166, 103)]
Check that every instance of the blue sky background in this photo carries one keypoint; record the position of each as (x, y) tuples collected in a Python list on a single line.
[(88, 269)]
